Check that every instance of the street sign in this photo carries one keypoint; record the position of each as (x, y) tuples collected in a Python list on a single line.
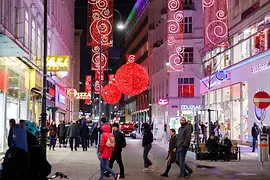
[(261, 99)]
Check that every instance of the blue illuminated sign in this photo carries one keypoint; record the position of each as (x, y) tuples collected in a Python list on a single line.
[(61, 98), (221, 75)]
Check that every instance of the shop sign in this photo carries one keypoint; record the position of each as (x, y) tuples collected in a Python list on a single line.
[(51, 91), (61, 98), (221, 75), (163, 101), (174, 106), (260, 67), (71, 92), (58, 63), (190, 107)]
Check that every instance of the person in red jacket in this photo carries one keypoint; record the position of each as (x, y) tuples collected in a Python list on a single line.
[(105, 152)]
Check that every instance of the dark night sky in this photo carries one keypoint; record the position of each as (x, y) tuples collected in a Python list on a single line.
[(124, 7)]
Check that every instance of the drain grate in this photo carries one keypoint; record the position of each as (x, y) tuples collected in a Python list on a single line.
[(205, 167)]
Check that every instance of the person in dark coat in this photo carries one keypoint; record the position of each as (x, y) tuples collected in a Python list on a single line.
[(212, 147), (66, 134), (84, 133), (62, 133), (12, 124), (227, 145), (116, 154), (254, 132), (147, 145), (171, 158), (183, 143), (73, 134), (52, 133), (95, 133)]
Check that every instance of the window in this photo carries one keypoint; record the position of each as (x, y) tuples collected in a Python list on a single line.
[(33, 44), (188, 55), (185, 87), (188, 25), (26, 30), (39, 43)]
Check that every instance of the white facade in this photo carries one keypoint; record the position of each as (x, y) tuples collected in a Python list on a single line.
[(166, 84), (232, 99), (21, 54)]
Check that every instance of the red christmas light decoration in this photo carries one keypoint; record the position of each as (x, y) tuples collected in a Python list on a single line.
[(111, 94), (131, 79)]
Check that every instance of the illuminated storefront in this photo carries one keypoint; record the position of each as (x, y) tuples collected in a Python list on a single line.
[(61, 104), (14, 94)]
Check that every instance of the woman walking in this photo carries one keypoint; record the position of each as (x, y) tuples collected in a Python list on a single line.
[(147, 145), (84, 133), (52, 133)]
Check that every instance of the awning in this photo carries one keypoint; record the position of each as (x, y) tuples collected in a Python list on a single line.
[(36, 91), (9, 46)]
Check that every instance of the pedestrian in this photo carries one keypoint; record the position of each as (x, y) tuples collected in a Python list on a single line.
[(217, 132), (62, 133), (147, 145), (212, 147), (204, 132), (73, 134), (254, 132), (12, 124), (226, 146), (120, 143), (52, 133), (183, 142), (90, 139), (107, 143), (66, 134), (95, 134), (84, 134), (171, 157)]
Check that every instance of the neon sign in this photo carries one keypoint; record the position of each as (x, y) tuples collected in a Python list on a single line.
[(58, 63), (78, 95), (163, 101), (61, 98), (190, 107)]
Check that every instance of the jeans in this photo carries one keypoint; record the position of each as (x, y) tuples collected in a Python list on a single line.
[(254, 143), (213, 154), (104, 166), (52, 141), (146, 160), (84, 144), (181, 153), (71, 143), (62, 140), (116, 155)]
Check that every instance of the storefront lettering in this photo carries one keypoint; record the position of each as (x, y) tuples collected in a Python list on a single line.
[(190, 107), (58, 63), (260, 67)]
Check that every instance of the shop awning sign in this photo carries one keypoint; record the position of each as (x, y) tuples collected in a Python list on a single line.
[(163, 102), (58, 63)]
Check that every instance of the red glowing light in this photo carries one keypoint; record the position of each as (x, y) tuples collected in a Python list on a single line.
[(88, 87), (111, 94), (131, 79)]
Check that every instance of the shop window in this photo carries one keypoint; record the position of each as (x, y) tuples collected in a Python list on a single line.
[(185, 87), (188, 25), (236, 126), (235, 91), (219, 96), (226, 94), (26, 28), (188, 55), (33, 37)]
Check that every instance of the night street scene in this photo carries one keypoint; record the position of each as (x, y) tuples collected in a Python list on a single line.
[(134, 89)]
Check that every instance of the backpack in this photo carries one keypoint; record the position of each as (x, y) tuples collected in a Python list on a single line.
[(110, 141), (123, 142)]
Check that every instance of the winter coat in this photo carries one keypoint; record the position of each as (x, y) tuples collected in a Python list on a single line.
[(172, 145), (184, 137), (84, 132), (52, 130), (212, 144), (61, 130), (255, 131), (73, 130), (147, 136), (118, 136), (104, 150), (10, 135), (227, 143)]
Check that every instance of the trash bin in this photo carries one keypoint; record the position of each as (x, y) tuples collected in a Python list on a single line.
[(263, 151)]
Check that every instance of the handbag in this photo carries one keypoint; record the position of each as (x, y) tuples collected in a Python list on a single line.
[(110, 141)]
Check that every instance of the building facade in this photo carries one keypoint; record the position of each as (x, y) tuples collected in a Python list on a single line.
[(244, 65), (21, 54), (174, 93)]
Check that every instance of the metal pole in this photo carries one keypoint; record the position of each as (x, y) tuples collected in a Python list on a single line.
[(100, 84), (43, 138), (209, 111)]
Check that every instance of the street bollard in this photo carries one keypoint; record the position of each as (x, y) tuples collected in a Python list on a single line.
[(263, 151)]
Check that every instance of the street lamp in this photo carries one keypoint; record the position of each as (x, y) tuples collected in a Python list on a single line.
[(120, 25)]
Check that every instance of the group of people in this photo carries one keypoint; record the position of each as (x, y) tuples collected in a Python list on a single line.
[(78, 132)]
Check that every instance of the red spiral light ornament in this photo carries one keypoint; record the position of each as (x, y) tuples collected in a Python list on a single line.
[(131, 79), (111, 94)]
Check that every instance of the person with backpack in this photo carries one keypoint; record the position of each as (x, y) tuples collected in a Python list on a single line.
[(107, 144), (120, 143)]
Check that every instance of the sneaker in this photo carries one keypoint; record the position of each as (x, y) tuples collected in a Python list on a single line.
[(153, 167), (122, 176), (106, 174), (146, 170), (116, 177), (164, 175)]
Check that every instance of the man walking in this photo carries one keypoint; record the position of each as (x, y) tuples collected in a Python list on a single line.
[(73, 134), (12, 124), (183, 142), (254, 132), (62, 133), (116, 154)]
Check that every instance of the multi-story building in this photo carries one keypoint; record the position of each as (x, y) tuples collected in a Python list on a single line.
[(136, 42), (174, 93), (244, 68), (21, 57)]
